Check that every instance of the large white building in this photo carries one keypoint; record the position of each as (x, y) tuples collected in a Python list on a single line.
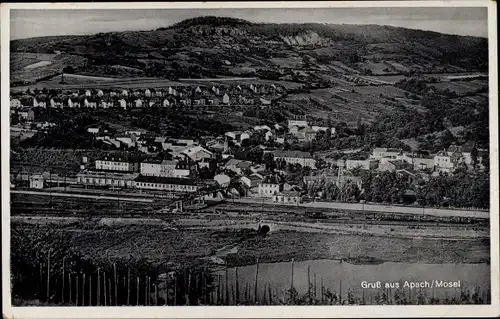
[(105, 178), (161, 168), (109, 163), (171, 184)]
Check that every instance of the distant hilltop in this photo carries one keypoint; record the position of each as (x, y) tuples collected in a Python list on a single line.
[(210, 46)]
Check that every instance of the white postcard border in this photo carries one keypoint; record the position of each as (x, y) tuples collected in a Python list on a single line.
[(253, 311)]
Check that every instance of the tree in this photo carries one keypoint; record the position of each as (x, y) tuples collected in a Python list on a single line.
[(269, 161), (69, 69)]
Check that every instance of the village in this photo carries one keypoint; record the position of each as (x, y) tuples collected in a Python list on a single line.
[(213, 166)]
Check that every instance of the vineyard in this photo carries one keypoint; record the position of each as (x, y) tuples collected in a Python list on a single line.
[(92, 265), (72, 281)]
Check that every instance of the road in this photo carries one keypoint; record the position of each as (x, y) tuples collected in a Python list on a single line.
[(378, 208), (127, 199)]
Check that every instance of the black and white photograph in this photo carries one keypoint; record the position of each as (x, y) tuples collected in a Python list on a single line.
[(189, 155)]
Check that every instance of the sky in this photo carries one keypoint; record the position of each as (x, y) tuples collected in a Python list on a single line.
[(34, 23)]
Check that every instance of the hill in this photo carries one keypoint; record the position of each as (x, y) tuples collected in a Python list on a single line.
[(218, 46)]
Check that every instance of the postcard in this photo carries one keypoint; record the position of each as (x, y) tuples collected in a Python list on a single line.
[(254, 159)]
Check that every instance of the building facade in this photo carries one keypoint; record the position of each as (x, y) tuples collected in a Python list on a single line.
[(296, 157), (165, 184), (368, 164), (116, 164)]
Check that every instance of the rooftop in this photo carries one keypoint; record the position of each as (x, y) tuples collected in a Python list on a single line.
[(164, 180)]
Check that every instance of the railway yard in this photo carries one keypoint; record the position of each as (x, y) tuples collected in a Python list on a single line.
[(124, 228)]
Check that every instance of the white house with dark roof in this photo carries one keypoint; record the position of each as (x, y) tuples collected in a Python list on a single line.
[(270, 186), (117, 163), (197, 153)]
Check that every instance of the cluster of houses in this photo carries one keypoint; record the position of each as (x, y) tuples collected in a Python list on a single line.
[(181, 96), (445, 161)]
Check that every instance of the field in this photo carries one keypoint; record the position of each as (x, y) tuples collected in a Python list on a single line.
[(98, 238), (32, 66), (83, 81), (55, 158), (363, 102), (462, 87)]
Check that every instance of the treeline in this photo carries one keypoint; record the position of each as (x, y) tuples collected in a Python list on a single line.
[(460, 189), (70, 131)]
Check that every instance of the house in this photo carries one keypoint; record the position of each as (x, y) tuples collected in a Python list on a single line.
[(270, 185), (443, 162), (225, 99), (111, 163), (184, 169), (418, 161), (123, 104), (251, 181), (394, 165), (27, 115), (235, 135), (129, 141), (262, 127), (39, 103), (238, 166), (299, 122), (111, 141), (73, 104), (295, 157), (332, 178), (307, 134), (264, 101), (216, 145), (258, 168), (288, 197), (367, 164), (187, 141), (245, 135), (268, 135), (323, 129), (222, 179), (158, 167), (197, 153), (15, 104), (467, 152), (385, 153), (37, 181), (93, 130), (171, 184), (100, 178)]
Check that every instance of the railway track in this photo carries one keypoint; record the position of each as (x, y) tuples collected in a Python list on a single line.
[(37, 205), (149, 213)]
